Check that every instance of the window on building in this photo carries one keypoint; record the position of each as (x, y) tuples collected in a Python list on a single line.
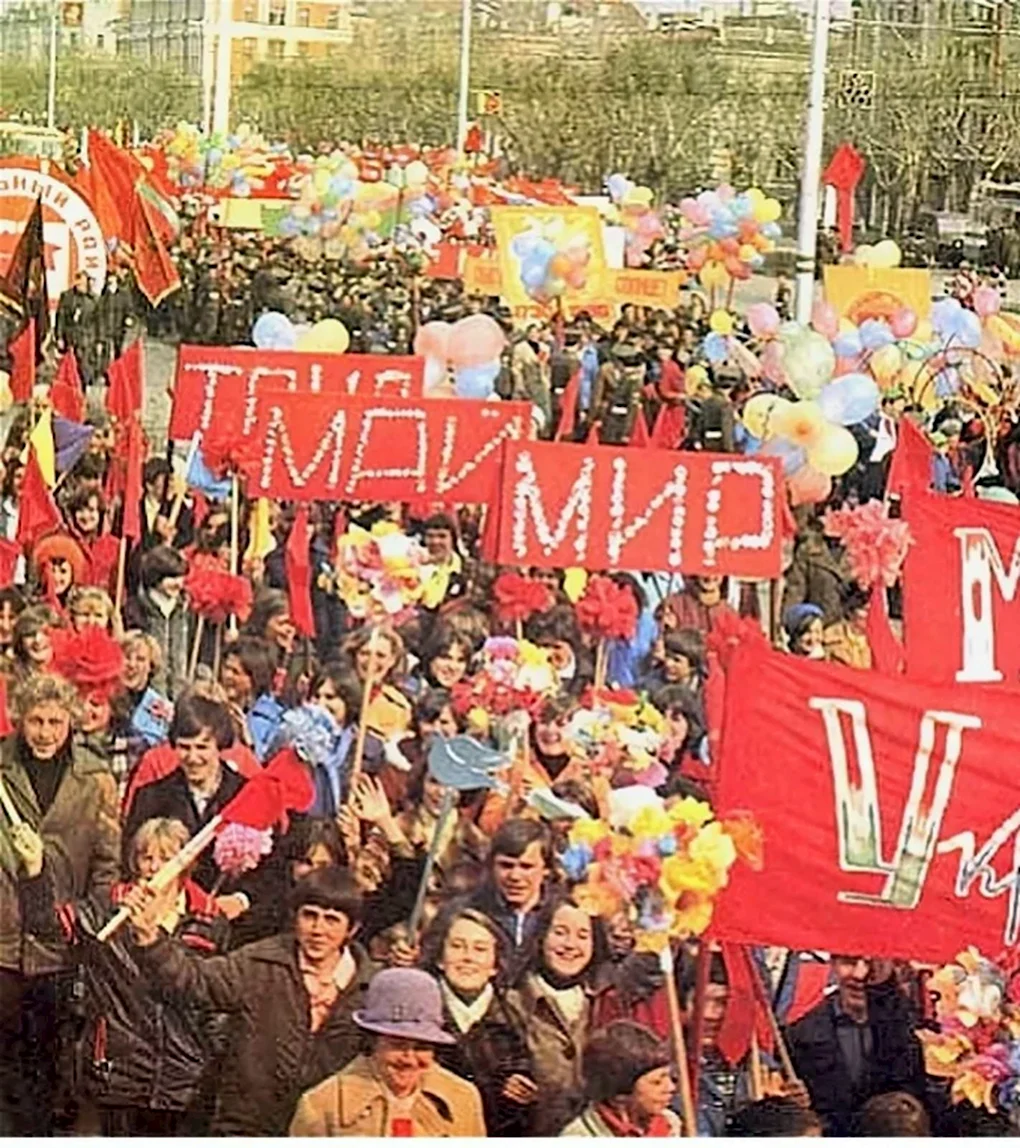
[(276, 49), (248, 49), (100, 42), (277, 12), (304, 50), (250, 13), (333, 17), (304, 17)]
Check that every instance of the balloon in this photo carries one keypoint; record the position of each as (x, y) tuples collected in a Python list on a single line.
[(863, 255), (435, 371), (848, 345), (809, 361), (433, 340), (874, 334), (808, 485), (475, 382), (834, 453), (903, 323), (967, 332), (475, 340), (886, 254), (763, 320), (721, 322), (825, 319), (792, 456), (802, 423), (532, 276), (986, 301), (885, 365), (713, 274), (273, 331), (715, 348), (760, 411), (944, 315), (618, 185), (768, 211), (850, 399), (755, 196), (328, 336), (416, 173)]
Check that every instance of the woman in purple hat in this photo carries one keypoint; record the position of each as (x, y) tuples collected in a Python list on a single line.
[(397, 1088)]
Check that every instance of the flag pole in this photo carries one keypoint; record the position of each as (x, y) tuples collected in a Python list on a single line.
[(51, 82)]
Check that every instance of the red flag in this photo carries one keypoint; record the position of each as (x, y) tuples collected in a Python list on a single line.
[(37, 512), (639, 436), (124, 396), (66, 391), (132, 527), (910, 469), (155, 272), (593, 434), (23, 288), (568, 413), (9, 555), (745, 1012), (299, 572), (844, 173), (22, 349), (109, 185), (670, 426), (887, 654)]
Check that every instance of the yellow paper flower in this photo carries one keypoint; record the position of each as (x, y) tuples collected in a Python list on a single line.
[(587, 831), (478, 720), (693, 915), (650, 821), (597, 898), (574, 582), (975, 1088), (690, 811), (681, 875), (714, 848), (942, 1051), (646, 942)]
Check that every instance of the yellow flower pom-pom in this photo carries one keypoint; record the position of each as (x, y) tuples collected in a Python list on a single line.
[(713, 847), (680, 875), (650, 821), (587, 831), (690, 811)]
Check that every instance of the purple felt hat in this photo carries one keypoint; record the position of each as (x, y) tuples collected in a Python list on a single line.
[(404, 1003)]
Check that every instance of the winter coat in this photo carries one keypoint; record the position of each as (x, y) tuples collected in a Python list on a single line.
[(273, 1056), (353, 1103), (590, 1123), (142, 613), (816, 575), (81, 839)]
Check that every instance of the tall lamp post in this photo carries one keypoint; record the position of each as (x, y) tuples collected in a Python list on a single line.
[(465, 75), (811, 168)]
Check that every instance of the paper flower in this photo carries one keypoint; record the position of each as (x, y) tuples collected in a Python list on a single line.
[(381, 573), (224, 451), (514, 677), (607, 610), (876, 545), (311, 731), (89, 659), (517, 597), (240, 848), (216, 594)]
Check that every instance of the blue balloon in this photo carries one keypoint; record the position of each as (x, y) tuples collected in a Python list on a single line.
[(792, 456), (967, 329), (947, 382), (617, 184), (771, 231), (273, 331), (523, 245), (532, 275), (543, 249), (849, 399), (722, 227), (213, 156), (341, 186), (741, 205), (289, 227), (475, 382), (715, 347), (313, 225), (875, 334), (848, 345), (944, 316)]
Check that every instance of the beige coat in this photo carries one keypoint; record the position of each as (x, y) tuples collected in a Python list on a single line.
[(353, 1103)]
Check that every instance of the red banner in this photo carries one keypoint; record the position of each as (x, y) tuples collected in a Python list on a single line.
[(888, 808), (220, 384), (964, 624), (624, 509), (319, 446)]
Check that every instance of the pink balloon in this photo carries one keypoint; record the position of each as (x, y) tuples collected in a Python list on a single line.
[(763, 320), (433, 341), (475, 340), (986, 301), (903, 323), (808, 485), (825, 319), (845, 366), (688, 205)]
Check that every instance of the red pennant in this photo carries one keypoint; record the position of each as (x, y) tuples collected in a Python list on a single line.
[(910, 469), (887, 654), (593, 434), (568, 413), (744, 1012), (670, 426), (22, 349), (299, 572), (284, 786), (37, 512), (66, 391), (639, 436), (124, 397), (6, 725), (132, 527)]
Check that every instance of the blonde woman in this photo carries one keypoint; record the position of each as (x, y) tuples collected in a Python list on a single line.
[(378, 656)]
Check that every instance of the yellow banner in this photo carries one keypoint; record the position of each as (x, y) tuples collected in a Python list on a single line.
[(860, 293), (482, 275), (644, 288), (548, 253)]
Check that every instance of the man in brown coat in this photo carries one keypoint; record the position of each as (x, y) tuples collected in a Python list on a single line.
[(290, 998), (59, 843)]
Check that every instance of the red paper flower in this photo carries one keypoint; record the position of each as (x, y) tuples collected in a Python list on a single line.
[(729, 632), (607, 610), (517, 597), (876, 545), (215, 595), (89, 659), (590, 700), (225, 452)]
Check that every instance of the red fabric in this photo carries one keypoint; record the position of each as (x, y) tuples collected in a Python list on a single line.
[(559, 501), (568, 413), (886, 649), (133, 491), (284, 786), (910, 469), (162, 760), (607, 610), (212, 384), (37, 512), (670, 427), (215, 594), (155, 272), (844, 174), (593, 434), (22, 349), (652, 1013), (66, 391), (298, 569), (744, 1010), (124, 396), (6, 725), (9, 554), (809, 988), (639, 436), (102, 555), (109, 185), (517, 597), (621, 1125), (865, 766), (89, 659), (962, 571)]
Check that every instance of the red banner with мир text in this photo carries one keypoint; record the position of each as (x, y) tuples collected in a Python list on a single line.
[(888, 806), (607, 508), (220, 385)]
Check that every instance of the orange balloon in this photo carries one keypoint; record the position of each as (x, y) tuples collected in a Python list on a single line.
[(559, 266)]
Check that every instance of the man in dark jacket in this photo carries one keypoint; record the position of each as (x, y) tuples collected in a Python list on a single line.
[(290, 998), (855, 1044), (77, 327)]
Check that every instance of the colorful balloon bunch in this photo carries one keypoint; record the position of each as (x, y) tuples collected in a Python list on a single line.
[(273, 331), (237, 164), (641, 222), (727, 235), (471, 347), (552, 259)]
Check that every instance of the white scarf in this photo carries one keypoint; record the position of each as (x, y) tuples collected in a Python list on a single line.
[(466, 1016), (570, 1001)]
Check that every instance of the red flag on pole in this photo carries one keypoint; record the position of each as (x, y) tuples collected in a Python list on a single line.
[(299, 572), (593, 434), (568, 412), (155, 272), (37, 512), (66, 391), (22, 348), (124, 396), (132, 527), (639, 436)]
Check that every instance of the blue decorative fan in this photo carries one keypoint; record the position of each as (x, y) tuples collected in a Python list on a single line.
[(462, 763)]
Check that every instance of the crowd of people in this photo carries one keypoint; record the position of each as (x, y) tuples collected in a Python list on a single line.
[(296, 997)]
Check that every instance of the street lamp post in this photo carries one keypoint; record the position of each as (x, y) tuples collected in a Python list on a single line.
[(465, 75), (811, 169), (51, 84), (221, 92)]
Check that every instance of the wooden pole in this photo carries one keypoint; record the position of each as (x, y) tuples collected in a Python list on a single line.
[(217, 652), (13, 815), (196, 647), (445, 811), (756, 1081), (235, 542), (366, 701), (118, 595), (690, 1121), (697, 1030), (178, 503), (777, 1033)]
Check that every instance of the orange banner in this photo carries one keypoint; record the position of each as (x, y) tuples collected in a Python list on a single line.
[(644, 288)]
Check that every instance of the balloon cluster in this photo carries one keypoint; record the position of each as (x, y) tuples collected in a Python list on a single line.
[(234, 164), (273, 331), (551, 259), (471, 347), (728, 235), (641, 222)]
